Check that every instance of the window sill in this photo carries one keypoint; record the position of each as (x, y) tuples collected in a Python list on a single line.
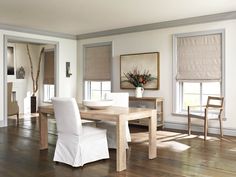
[(48, 102), (181, 114)]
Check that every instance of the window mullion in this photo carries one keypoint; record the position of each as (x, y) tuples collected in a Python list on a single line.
[(48, 92), (181, 94), (89, 91), (100, 90), (201, 96)]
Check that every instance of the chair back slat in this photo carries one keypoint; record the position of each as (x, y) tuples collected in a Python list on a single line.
[(215, 102)]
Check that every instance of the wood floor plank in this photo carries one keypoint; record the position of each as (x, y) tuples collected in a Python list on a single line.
[(178, 155)]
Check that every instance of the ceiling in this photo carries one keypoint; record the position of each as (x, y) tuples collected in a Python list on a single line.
[(85, 16)]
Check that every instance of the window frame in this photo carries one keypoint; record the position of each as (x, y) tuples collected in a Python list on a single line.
[(49, 101), (177, 89), (89, 90), (200, 94)]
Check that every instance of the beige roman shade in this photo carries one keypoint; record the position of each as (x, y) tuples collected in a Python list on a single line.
[(97, 63), (49, 68), (199, 58)]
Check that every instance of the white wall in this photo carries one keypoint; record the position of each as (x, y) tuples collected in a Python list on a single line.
[(67, 52), (161, 41)]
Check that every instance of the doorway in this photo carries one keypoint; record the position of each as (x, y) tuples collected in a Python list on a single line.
[(24, 56)]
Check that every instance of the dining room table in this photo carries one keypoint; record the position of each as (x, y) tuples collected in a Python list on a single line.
[(115, 114)]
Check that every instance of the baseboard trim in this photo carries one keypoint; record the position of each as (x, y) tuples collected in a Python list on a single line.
[(2, 124), (213, 130)]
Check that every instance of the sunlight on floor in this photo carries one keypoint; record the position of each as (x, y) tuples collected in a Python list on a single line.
[(165, 140), (187, 137), (24, 116), (27, 116), (161, 136), (209, 138), (233, 149), (173, 146), (169, 140)]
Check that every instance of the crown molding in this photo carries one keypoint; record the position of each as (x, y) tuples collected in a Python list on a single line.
[(36, 31), (160, 25), (131, 29)]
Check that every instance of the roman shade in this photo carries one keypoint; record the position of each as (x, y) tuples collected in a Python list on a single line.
[(49, 68), (97, 63), (199, 58)]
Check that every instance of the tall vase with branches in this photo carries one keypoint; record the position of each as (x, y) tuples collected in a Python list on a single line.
[(36, 79)]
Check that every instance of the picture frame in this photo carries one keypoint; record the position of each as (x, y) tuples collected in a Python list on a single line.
[(143, 62), (11, 70)]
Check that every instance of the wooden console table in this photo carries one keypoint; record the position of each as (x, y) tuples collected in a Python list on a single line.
[(157, 102)]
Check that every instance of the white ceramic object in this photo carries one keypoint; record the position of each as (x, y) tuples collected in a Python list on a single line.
[(98, 104), (139, 92)]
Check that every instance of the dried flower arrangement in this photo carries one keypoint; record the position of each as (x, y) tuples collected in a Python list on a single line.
[(138, 78)]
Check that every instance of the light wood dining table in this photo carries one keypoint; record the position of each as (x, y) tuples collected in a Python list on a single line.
[(116, 114)]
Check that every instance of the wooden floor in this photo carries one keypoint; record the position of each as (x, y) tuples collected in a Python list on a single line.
[(178, 155)]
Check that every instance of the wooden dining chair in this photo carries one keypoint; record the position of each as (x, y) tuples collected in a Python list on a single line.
[(12, 105), (212, 111)]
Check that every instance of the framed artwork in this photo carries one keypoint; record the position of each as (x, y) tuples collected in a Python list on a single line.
[(10, 60), (142, 64)]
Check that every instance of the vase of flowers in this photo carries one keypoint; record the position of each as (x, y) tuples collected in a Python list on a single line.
[(139, 92), (138, 79)]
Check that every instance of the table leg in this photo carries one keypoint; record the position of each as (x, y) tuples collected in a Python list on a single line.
[(152, 135), (120, 140), (43, 130)]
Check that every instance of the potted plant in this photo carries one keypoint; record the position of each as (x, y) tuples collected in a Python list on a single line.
[(138, 79), (36, 79)]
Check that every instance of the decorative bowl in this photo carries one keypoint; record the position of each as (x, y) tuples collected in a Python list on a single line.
[(97, 104)]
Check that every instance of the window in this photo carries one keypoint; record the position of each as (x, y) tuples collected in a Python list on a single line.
[(198, 69), (48, 80), (197, 93), (97, 70), (96, 90), (49, 91)]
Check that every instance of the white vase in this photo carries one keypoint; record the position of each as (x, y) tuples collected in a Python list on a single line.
[(139, 92)]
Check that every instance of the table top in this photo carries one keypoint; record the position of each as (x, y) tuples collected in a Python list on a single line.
[(111, 113)]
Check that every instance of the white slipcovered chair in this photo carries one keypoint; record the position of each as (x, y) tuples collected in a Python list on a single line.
[(120, 100), (76, 144)]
